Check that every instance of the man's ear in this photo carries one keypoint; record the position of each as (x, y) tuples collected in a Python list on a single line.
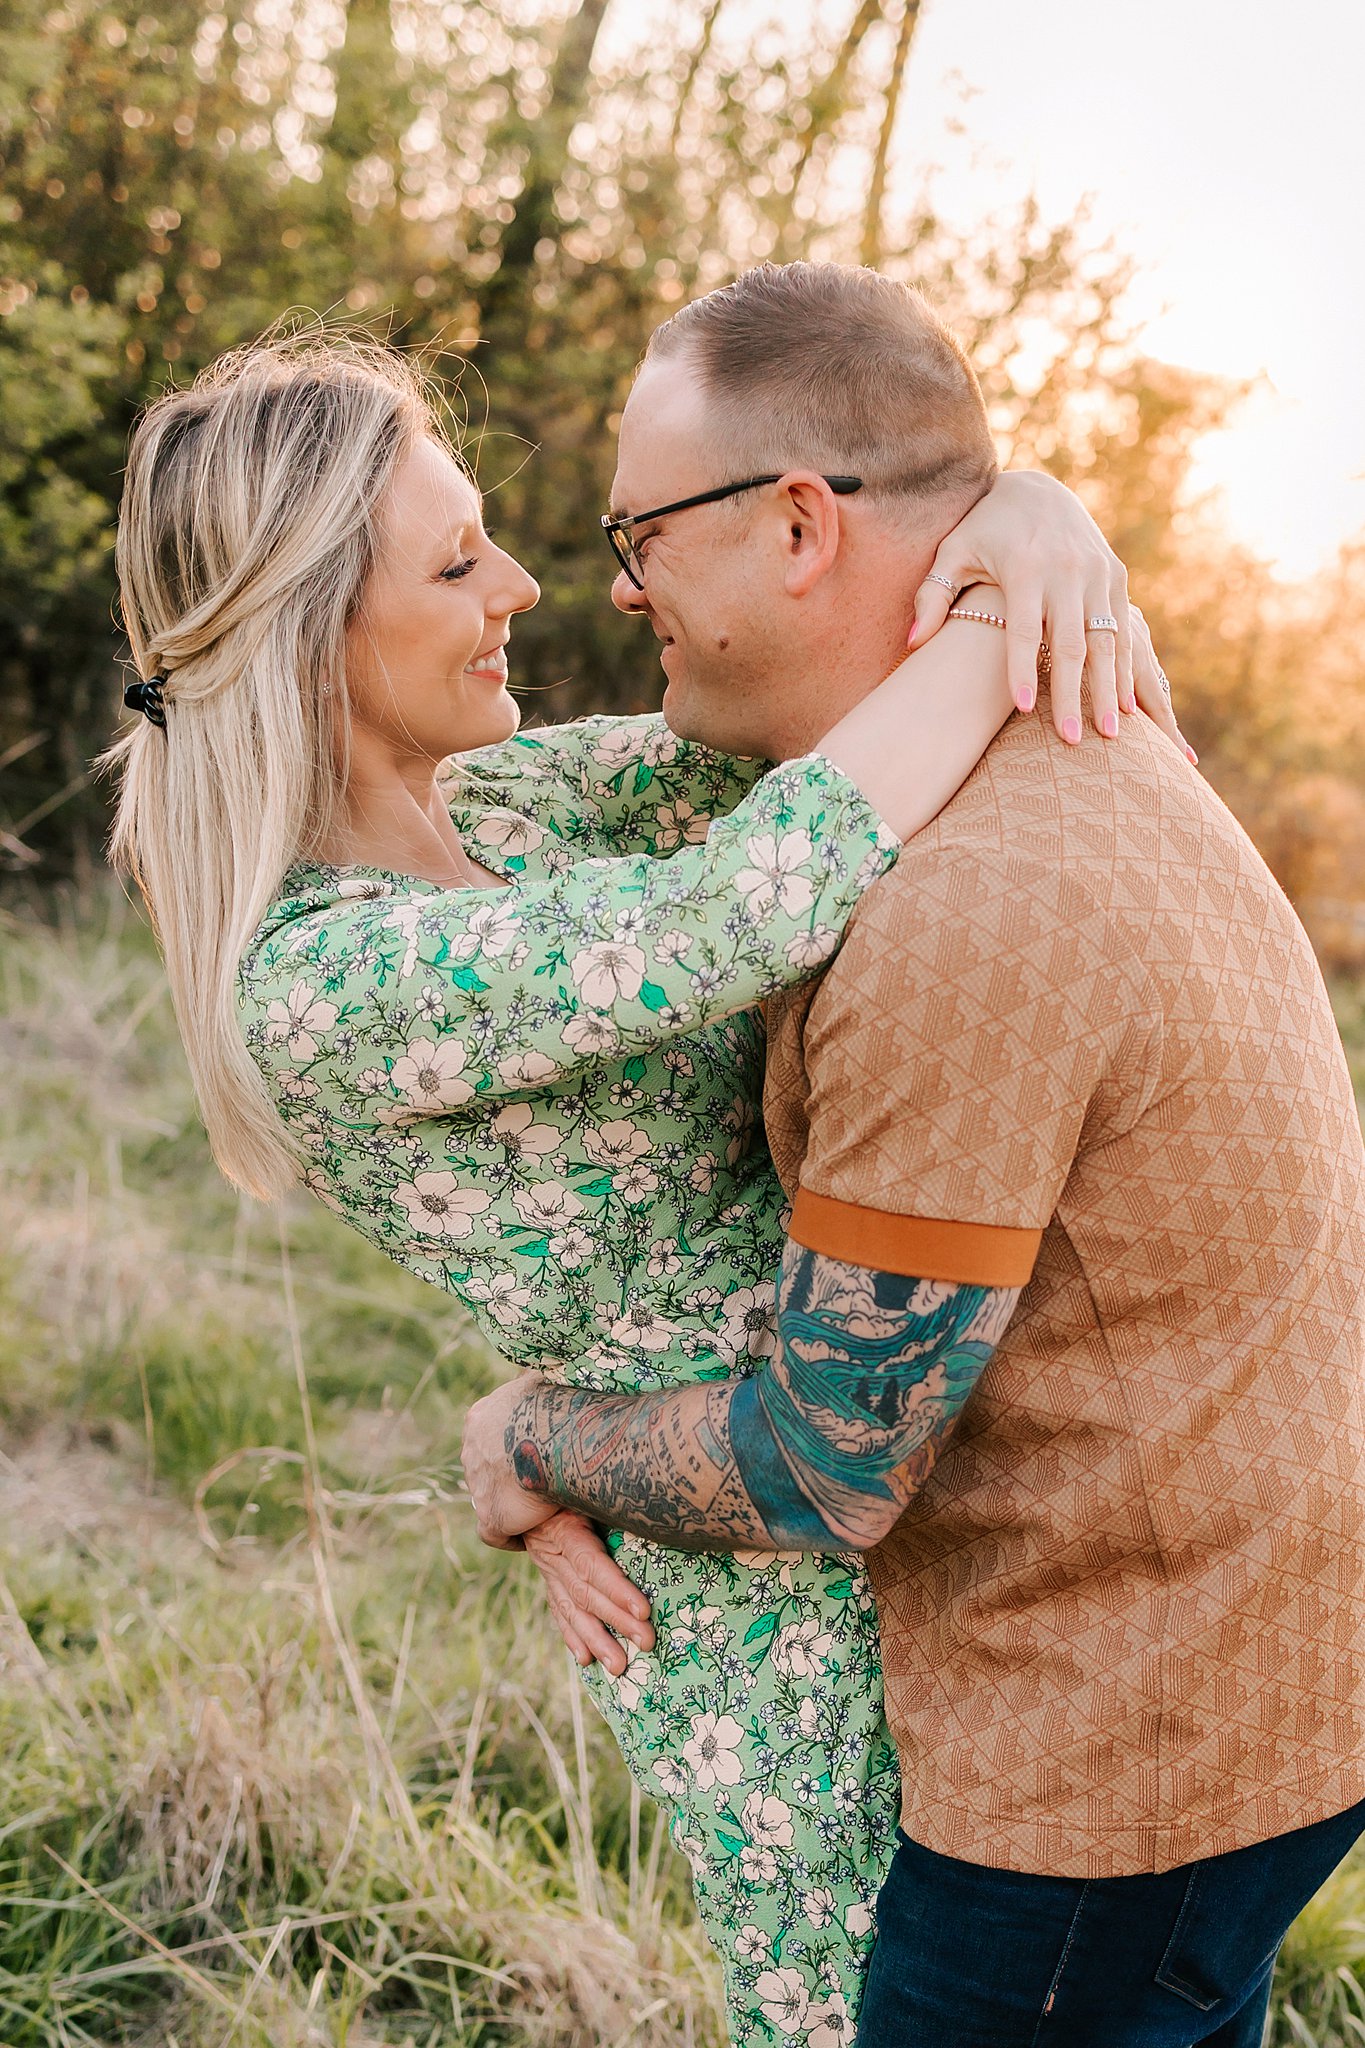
[(812, 529)]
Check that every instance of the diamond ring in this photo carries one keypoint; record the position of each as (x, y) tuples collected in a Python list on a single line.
[(1104, 624), (948, 584)]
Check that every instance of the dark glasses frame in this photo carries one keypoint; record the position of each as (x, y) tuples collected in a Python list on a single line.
[(618, 540)]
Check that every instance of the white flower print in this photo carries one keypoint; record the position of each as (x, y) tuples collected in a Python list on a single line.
[(546, 1206), (636, 1184), (702, 1178), (640, 1325), (783, 1998), (748, 1324), (672, 947), (505, 1301), (615, 748), (752, 1942), (616, 1144), (663, 1258), (404, 918), (608, 972), (830, 2025), (430, 1076), (767, 1820), (759, 1866), (516, 1127), (437, 1206), (590, 1035), (773, 880), (859, 1919), (363, 888), (490, 931), (574, 1248), (630, 1686), (809, 950), (710, 1750), (800, 1649), (298, 1088), (808, 1718), (525, 1068), (673, 1779), (296, 1022), (508, 834), (819, 1907)]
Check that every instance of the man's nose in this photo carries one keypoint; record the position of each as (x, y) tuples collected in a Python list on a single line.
[(625, 596)]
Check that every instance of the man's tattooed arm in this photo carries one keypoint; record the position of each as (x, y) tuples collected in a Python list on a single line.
[(820, 1450)]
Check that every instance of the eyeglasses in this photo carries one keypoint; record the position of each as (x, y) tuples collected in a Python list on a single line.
[(623, 546)]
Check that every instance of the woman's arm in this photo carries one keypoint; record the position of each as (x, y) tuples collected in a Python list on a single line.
[(1056, 571), (629, 780)]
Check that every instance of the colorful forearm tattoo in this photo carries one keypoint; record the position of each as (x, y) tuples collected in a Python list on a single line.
[(820, 1450)]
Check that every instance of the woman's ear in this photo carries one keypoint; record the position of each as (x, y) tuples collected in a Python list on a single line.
[(812, 529)]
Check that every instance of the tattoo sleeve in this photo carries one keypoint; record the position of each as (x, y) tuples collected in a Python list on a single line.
[(820, 1450)]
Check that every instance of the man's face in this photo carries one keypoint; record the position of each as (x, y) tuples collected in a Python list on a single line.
[(712, 577)]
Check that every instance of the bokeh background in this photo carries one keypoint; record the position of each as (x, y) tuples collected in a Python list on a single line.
[(284, 1757)]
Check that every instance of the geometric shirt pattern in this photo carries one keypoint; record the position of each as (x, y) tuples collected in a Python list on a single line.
[(1124, 1622)]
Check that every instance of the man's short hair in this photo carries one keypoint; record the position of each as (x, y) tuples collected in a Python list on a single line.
[(826, 366)]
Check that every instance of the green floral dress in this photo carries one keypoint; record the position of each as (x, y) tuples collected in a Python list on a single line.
[(545, 1099)]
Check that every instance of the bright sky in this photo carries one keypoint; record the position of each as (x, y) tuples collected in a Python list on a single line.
[(1222, 143)]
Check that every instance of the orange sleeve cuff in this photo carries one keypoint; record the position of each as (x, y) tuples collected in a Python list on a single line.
[(916, 1247)]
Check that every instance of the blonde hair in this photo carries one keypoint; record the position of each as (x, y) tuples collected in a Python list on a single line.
[(841, 368), (247, 532)]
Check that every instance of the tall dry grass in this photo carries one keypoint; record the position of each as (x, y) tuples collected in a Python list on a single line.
[(286, 1758)]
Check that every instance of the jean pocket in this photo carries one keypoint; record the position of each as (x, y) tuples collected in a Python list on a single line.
[(1211, 1955)]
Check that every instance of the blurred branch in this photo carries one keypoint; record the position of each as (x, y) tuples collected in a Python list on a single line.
[(872, 248)]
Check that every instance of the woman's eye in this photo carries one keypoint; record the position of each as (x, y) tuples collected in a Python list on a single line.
[(458, 569)]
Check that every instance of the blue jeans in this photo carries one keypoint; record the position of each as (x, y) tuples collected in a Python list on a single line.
[(973, 1958)]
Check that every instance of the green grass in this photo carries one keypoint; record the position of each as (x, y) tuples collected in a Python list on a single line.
[(286, 1758), (282, 1748)]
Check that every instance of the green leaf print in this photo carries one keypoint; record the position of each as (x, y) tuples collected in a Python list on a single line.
[(759, 1630), (468, 980), (636, 1069), (652, 996), (644, 775), (732, 1844), (537, 1248)]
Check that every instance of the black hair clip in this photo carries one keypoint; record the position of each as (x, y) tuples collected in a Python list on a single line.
[(147, 698)]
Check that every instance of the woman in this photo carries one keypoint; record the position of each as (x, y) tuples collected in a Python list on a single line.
[(506, 1027)]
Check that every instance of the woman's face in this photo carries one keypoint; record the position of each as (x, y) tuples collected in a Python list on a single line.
[(426, 667)]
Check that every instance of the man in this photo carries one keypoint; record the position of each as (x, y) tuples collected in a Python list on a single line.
[(1072, 1310)]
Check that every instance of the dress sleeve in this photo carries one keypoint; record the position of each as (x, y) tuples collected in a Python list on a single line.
[(401, 1005), (628, 781)]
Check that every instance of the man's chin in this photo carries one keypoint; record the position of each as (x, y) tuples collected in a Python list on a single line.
[(687, 716)]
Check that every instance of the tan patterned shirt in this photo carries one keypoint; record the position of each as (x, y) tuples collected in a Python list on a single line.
[(1078, 1039)]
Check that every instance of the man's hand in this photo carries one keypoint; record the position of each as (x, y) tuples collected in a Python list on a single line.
[(591, 1599), (503, 1509)]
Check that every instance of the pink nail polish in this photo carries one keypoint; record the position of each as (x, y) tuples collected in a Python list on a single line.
[(1191, 756), (1071, 730), (1109, 725), (910, 636), (1025, 700)]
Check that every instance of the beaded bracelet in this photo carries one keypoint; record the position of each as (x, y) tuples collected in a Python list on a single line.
[(962, 611)]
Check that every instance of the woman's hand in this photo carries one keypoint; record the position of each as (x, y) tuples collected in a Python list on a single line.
[(1035, 539), (589, 1594)]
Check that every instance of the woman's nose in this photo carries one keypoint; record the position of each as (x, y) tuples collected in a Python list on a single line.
[(521, 591)]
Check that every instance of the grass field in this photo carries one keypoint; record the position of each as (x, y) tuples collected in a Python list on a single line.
[(286, 1758)]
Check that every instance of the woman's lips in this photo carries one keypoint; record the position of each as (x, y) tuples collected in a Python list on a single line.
[(489, 668)]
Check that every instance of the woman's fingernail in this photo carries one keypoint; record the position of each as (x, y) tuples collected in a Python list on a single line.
[(1071, 730), (914, 628), (1109, 725), (1191, 756), (1025, 700)]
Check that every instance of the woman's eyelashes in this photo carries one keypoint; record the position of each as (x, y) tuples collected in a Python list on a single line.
[(459, 569)]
